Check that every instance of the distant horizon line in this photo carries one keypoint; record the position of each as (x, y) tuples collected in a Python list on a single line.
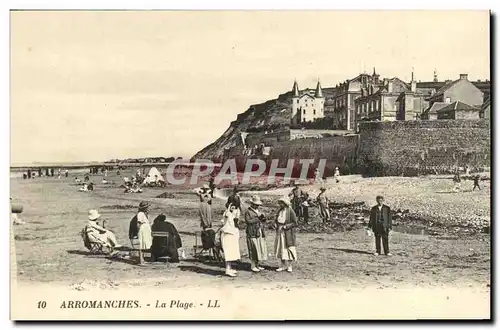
[(77, 162)]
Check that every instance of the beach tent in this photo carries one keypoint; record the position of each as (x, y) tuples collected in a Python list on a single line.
[(150, 178)]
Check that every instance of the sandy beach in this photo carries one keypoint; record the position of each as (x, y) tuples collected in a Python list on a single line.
[(48, 247)]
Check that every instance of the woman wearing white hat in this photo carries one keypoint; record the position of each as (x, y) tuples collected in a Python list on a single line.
[(230, 238), (100, 234), (284, 244), (205, 211), (323, 201), (256, 237), (144, 230)]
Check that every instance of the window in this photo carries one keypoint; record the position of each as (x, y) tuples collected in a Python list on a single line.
[(304, 111), (297, 101), (314, 111), (448, 100), (303, 120)]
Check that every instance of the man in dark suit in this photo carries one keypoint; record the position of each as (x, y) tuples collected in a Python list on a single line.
[(381, 224)]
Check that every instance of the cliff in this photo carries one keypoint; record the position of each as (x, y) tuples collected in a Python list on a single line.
[(270, 115)]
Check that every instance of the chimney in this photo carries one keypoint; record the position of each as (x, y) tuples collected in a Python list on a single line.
[(389, 86), (463, 76), (413, 86)]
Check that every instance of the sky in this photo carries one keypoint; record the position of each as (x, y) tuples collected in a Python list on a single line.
[(98, 85)]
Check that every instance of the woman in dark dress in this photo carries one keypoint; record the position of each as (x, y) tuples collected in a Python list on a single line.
[(256, 236), (165, 246)]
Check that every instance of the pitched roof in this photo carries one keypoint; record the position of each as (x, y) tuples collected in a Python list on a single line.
[(457, 105), (430, 84), (446, 86), (306, 93), (436, 85), (318, 92), (435, 107), (295, 89), (486, 104)]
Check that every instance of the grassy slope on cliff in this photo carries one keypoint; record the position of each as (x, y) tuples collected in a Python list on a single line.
[(263, 116)]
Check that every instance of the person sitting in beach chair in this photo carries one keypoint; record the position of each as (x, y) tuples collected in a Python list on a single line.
[(166, 240), (90, 186), (95, 237), (84, 188), (135, 188), (77, 181)]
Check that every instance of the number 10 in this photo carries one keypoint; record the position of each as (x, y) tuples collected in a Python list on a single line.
[(42, 304)]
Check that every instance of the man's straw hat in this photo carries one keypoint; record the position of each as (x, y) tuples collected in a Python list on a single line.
[(255, 200), (93, 215), (285, 200), (143, 205)]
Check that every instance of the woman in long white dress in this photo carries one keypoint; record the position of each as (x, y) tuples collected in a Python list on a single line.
[(144, 235), (230, 239)]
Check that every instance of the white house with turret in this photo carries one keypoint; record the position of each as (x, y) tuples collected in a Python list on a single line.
[(307, 105)]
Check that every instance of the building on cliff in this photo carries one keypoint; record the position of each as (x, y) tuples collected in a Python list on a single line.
[(452, 91), (431, 112), (341, 103), (307, 105), (458, 110), (411, 103), (459, 90), (380, 102)]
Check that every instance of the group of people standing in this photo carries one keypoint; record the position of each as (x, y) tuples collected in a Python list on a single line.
[(255, 230), (301, 202), (457, 180), (254, 224), (48, 172)]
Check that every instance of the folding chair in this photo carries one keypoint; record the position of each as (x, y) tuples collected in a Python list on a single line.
[(94, 247), (159, 234), (208, 244)]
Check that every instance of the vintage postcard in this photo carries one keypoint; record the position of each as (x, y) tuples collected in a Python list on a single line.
[(250, 165)]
